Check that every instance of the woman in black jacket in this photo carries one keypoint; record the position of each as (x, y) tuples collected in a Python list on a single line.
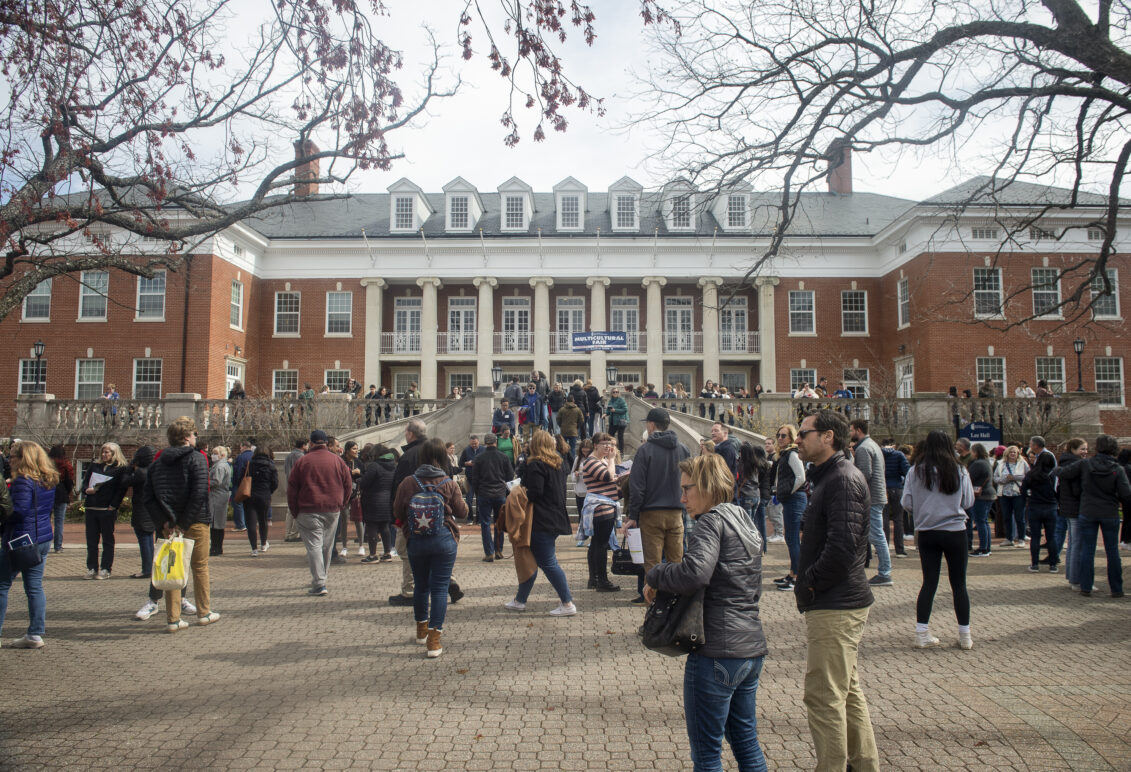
[(264, 481), (103, 490), (376, 492), (724, 556), (1068, 500), (544, 477), (1038, 490), (982, 478), (140, 520)]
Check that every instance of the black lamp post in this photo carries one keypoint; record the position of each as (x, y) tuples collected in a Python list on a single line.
[(496, 376), (1078, 347), (38, 349), (611, 375)]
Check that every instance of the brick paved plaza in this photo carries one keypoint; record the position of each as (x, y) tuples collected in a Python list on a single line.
[(286, 681)]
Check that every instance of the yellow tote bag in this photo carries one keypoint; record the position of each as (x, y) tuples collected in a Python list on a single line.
[(170, 563)]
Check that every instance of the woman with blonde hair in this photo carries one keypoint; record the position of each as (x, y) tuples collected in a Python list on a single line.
[(544, 477), (34, 478), (103, 490), (789, 484)]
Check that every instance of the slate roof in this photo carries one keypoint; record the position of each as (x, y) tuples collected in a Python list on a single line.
[(986, 191)]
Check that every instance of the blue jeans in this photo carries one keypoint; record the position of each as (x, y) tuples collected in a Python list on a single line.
[(237, 515), (979, 518), (1072, 556), (489, 507), (719, 699), (1088, 529), (432, 559), (756, 511), (542, 545), (145, 544), (58, 514), (33, 587), (879, 540), (1059, 532), (793, 509), (1013, 514)]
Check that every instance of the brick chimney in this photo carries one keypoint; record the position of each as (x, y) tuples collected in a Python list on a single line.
[(306, 171), (840, 167)]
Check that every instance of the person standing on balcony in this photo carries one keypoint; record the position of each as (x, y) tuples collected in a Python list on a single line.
[(617, 412), (103, 490), (1023, 391), (841, 392)]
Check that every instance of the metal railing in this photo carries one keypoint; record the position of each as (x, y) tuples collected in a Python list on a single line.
[(400, 343), (456, 342), (683, 342), (513, 343), (739, 342)]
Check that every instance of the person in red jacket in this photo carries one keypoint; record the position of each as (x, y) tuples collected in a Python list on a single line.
[(318, 489)]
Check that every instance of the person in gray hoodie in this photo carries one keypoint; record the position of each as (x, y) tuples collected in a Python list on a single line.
[(869, 459), (1103, 488)]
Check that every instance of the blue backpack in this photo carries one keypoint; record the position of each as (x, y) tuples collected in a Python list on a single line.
[(426, 508)]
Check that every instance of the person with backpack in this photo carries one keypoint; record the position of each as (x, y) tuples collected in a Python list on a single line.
[(1038, 491), (425, 506)]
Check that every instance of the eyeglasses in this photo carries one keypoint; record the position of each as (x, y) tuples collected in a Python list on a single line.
[(801, 434), (783, 436)]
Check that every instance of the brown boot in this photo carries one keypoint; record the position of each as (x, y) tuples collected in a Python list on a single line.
[(434, 648), (422, 631)]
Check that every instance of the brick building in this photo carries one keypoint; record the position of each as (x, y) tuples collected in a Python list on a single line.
[(889, 295)]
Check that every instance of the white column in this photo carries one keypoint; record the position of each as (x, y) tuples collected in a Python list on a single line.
[(655, 368), (710, 285), (485, 319), (598, 323), (541, 285), (428, 332), (373, 311), (766, 334)]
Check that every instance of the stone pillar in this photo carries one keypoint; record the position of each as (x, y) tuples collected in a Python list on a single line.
[(485, 335), (428, 331), (331, 412), (598, 322), (654, 372), (32, 415), (373, 310), (180, 404), (541, 285), (766, 332), (710, 285)]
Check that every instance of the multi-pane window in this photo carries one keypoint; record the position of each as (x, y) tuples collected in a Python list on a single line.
[(566, 378), (733, 380), (236, 319), (88, 378), (147, 379), (458, 214), (233, 372), (732, 326), (461, 325), (37, 303), (1109, 380), (994, 369), (629, 379), (406, 324), (903, 300), (151, 296), (286, 312), (571, 211), (736, 211), (853, 312), (93, 289), (905, 378), (802, 314), (465, 381), (516, 325), (984, 233), (403, 216), (339, 313), (678, 333), (987, 292), (337, 379), (681, 212), (1051, 370), (858, 381), (1105, 302), (403, 380), (673, 377), (624, 316), (1041, 234), (1046, 292), (284, 384), (514, 215), (626, 211), (33, 376), (1095, 234), (571, 319), (798, 376)]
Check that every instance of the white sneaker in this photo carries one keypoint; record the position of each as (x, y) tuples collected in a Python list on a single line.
[(255, 553), (266, 546), (362, 551), (777, 538), (393, 553), (103, 574), (27, 642), (146, 611), (564, 610), (1124, 545), (925, 640), (186, 607), (965, 641), (91, 573), (514, 605), (344, 553)]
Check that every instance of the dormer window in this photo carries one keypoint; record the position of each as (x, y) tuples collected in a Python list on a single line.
[(681, 212), (570, 212), (458, 213), (403, 219), (625, 214), (569, 201), (736, 210), (513, 214)]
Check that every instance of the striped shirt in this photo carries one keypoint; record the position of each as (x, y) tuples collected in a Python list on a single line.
[(599, 480)]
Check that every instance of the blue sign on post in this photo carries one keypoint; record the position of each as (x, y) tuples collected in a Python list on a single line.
[(614, 340), (980, 431)]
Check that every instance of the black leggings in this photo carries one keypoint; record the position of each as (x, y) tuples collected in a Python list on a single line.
[(933, 546), (618, 432), (598, 552), (100, 524), (256, 510), (379, 531)]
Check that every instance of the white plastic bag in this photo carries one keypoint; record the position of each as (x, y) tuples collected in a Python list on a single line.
[(635, 546)]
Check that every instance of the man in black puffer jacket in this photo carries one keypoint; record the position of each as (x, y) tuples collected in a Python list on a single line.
[(176, 496), (832, 592)]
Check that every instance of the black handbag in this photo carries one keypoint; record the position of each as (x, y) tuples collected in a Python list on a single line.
[(28, 556), (622, 562), (674, 623)]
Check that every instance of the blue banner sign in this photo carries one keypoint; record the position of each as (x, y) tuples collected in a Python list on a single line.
[(979, 431), (614, 340)]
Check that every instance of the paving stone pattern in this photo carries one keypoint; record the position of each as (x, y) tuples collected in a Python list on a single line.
[(286, 681)]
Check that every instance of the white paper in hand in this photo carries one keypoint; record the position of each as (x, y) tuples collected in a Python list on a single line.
[(635, 546)]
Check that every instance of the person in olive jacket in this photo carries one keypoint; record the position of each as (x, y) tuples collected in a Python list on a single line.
[(832, 592)]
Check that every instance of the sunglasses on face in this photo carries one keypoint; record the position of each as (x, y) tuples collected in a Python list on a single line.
[(783, 436), (801, 434)]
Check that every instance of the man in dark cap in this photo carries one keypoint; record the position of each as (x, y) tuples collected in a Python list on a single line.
[(318, 489)]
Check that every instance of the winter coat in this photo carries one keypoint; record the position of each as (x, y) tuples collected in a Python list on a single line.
[(834, 542), (176, 488), (580, 399), (1103, 486), (1004, 469), (593, 401), (109, 494), (66, 486), (728, 449), (869, 459), (618, 412), (320, 482), (895, 467), (981, 474), (1068, 490), (1039, 490), (654, 482), (546, 489), (407, 463), (32, 503), (376, 491), (724, 554), (569, 420), (140, 518), (264, 476), (493, 470), (789, 473), (219, 491), (454, 505), (555, 399)]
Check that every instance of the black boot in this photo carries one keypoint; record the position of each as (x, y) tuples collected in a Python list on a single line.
[(217, 542), (454, 592), (604, 585)]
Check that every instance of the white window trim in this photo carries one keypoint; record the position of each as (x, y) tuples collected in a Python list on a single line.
[(37, 319), (745, 211), (84, 288), (615, 212), (102, 389), (275, 318), (326, 322), (1058, 313), (32, 366), (525, 215), (449, 224), (274, 382), (1115, 294), (326, 377), (902, 284), (160, 383), (812, 315), (867, 328), (979, 378), (687, 196), (137, 299), (393, 227), (1122, 384), (580, 212), (458, 371), (811, 381), (1063, 381), (1000, 313), (238, 327)]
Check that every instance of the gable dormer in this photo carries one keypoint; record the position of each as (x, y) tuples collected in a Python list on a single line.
[(408, 207), (624, 205), (732, 209), (462, 206), (516, 206), (570, 204), (678, 206)]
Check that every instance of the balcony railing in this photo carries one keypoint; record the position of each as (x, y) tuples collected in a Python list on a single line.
[(513, 343), (739, 342), (400, 343), (683, 342), (456, 342)]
